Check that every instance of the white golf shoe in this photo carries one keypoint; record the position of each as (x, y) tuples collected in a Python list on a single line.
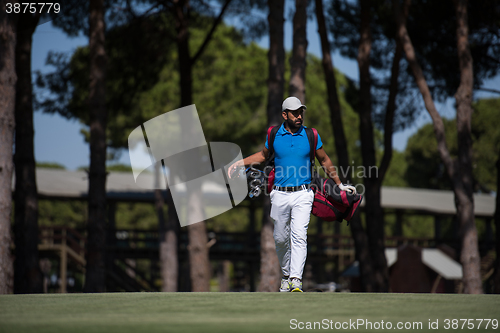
[(296, 285), (285, 285)]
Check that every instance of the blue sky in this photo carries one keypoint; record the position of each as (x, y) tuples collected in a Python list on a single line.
[(59, 140)]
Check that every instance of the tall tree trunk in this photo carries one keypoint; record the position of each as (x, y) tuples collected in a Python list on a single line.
[(95, 276), (159, 203), (270, 272), (276, 60), (469, 255), (169, 267), (298, 61), (358, 233), (387, 157), (391, 106), (496, 275), (8, 80), (28, 277), (199, 262), (389, 113), (198, 250), (373, 209), (461, 181), (168, 249)]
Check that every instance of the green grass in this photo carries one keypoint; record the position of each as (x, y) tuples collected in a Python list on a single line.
[(233, 312)]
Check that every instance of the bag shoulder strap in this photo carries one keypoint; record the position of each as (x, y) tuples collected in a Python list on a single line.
[(271, 135), (312, 136), (315, 142)]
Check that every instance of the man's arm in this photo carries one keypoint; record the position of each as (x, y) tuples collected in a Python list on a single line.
[(256, 158), (327, 165)]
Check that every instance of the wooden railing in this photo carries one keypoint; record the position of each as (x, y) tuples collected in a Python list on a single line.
[(125, 244), (141, 239), (57, 236), (68, 243)]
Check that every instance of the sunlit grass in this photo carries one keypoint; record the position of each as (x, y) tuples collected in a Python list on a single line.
[(233, 312)]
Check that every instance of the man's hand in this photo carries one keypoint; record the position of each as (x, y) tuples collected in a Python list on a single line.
[(348, 188), (234, 167), (256, 158)]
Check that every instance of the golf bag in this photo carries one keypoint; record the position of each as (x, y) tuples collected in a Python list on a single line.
[(330, 203)]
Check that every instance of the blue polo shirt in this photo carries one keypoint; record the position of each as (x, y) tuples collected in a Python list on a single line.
[(291, 157)]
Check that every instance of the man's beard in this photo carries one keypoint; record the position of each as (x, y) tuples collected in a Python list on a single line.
[(292, 125)]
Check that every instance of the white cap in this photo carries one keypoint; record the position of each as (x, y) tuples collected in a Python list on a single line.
[(292, 103)]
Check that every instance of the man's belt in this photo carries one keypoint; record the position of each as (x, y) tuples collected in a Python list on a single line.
[(291, 188)]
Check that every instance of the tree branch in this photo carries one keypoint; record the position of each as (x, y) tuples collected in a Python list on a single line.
[(210, 33), (437, 121), (129, 9), (489, 90), (492, 59)]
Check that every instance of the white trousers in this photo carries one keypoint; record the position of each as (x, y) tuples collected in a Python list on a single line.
[(291, 212)]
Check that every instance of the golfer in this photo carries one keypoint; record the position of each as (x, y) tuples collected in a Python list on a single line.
[(291, 197)]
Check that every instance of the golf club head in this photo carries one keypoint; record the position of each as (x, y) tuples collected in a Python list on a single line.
[(255, 182), (255, 192)]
